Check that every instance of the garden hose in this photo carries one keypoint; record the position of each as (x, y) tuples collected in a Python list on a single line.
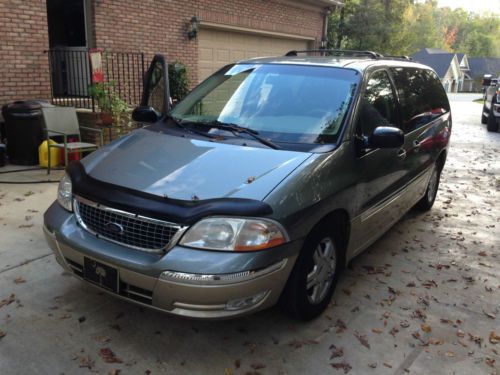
[(26, 182)]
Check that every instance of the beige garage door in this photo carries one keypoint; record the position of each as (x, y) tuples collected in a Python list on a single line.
[(220, 47)]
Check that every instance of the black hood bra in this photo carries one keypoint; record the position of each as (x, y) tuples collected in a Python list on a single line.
[(154, 206)]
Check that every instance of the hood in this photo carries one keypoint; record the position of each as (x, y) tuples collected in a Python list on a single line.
[(190, 169)]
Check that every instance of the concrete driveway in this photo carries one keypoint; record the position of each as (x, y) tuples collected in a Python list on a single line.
[(424, 299)]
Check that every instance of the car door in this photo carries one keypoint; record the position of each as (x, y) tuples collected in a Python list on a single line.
[(381, 171), (425, 113)]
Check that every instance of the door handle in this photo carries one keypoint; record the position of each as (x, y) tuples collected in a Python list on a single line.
[(416, 144), (401, 153)]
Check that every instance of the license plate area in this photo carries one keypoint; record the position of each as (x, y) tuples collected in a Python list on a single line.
[(100, 274)]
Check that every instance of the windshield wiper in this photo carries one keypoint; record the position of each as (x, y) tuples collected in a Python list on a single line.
[(237, 129), (189, 129)]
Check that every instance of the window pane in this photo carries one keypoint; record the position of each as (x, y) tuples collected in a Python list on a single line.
[(287, 103), (421, 95), (378, 105)]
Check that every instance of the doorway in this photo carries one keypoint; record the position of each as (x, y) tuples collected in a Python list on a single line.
[(70, 36)]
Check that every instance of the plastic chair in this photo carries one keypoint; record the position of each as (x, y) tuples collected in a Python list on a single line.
[(62, 121)]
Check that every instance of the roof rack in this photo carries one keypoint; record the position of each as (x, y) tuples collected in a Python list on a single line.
[(347, 52), (333, 52)]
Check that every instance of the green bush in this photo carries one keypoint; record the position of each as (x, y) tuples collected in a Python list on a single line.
[(178, 79)]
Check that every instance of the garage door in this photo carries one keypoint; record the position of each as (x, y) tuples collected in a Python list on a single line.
[(220, 47)]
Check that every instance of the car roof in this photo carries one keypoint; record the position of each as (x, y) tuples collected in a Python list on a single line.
[(357, 63)]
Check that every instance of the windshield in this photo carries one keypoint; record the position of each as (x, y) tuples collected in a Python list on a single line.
[(283, 103)]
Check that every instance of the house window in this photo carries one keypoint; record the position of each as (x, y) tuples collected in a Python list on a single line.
[(68, 23)]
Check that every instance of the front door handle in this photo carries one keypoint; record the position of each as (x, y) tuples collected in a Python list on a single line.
[(416, 144), (401, 153)]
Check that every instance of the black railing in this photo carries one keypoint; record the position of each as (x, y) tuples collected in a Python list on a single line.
[(71, 76)]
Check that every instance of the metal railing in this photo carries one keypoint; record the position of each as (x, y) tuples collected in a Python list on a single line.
[(71, 76)]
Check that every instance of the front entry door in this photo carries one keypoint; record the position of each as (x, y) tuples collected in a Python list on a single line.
[(382, 169)]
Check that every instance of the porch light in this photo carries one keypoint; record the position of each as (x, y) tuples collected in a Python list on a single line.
[(194, 24)]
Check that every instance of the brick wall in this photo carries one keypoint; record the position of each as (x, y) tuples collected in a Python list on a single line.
[(160, 26), (24, 69), (151, 26)]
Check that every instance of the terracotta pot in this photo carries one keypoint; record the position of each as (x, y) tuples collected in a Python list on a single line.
[(106, 119)]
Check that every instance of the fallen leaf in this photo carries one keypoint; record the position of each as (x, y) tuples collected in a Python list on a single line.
[(257, 366), (339, 324), (426, 328), (228, 371), (372, 365), (346, 367), (404, 324), (362, 339), (108, 356), (2, 334), (114, 372), (102, 339), (19, 280), (490, 361), (347, 291), (336, 352), (237, 363), (460, 333), (494, 338), (84, 362), (377, 331), (387, 365), (489, 315), (8, 301)]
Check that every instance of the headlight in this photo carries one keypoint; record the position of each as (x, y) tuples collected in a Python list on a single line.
[(234, 234), (64, 193)]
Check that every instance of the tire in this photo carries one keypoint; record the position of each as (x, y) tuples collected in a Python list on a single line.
[(484, 119), (319, 262), (492, 124), (427, 201)]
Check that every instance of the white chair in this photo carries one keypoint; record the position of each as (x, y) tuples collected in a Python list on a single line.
[(62, 121)]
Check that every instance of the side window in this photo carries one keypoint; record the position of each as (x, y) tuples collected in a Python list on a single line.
[(378, 105), (421, 95)]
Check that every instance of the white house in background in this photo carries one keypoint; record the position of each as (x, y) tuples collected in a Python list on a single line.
[(452, 68)]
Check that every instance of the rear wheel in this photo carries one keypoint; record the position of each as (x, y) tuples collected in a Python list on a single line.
[(427, 201), (314, 277)]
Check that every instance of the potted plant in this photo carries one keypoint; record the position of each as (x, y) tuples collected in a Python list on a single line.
[(179, 81), (109, 102)]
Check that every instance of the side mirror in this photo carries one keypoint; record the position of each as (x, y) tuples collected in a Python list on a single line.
[(145, 114), (156, 91), (386, 137)]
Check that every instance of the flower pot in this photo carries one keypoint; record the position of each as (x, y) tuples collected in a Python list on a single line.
[(106, 119)]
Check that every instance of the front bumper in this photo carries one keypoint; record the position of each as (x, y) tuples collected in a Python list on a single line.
[(186, 282)]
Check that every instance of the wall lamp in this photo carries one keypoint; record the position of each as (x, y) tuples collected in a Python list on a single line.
[(193, 28)]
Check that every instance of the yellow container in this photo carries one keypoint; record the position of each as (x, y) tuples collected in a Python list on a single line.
[(43, 155)]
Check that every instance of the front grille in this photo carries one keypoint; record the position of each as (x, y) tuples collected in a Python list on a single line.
[(125, 228)]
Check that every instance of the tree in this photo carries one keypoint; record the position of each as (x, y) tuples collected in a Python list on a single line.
[(402, 27)]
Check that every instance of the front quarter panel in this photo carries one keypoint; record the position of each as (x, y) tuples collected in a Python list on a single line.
[(324, 183)]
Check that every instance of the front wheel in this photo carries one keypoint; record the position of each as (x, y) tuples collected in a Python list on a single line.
[(427, 201), (314, 277), (492, 124), (484, 119)]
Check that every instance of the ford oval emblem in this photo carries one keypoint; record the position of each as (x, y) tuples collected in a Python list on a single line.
[(114, 228)]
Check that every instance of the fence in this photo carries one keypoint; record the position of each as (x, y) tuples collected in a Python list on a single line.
[(71, 76)]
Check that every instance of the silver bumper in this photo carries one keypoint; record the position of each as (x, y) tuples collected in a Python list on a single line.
[(215, 296)]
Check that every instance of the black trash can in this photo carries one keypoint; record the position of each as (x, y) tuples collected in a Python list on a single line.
[(24, 130)]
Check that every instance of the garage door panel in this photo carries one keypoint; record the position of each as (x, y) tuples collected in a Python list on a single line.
[(220, 47)]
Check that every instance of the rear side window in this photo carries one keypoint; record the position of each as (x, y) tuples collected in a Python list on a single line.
[(421, 95)]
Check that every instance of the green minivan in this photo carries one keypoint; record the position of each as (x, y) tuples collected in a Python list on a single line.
[(258, 187)]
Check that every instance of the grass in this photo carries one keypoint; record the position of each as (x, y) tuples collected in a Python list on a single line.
[(480, 100)]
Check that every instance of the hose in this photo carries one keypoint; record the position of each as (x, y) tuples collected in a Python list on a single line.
[(26, 182)]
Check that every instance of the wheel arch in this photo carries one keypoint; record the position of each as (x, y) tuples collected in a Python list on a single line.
[(339, 222)]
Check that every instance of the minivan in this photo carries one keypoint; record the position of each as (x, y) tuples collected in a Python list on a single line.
[(258, 187)]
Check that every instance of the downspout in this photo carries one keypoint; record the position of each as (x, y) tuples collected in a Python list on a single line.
[(324, 37)]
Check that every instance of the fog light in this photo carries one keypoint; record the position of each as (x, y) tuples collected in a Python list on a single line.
[(243, 303)]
